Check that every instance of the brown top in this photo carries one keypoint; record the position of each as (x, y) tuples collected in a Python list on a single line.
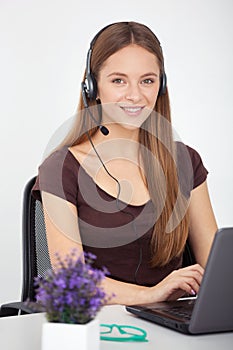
[(115, 232)]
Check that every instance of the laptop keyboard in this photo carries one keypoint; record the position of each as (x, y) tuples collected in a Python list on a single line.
[(181, 311), (186, 314)]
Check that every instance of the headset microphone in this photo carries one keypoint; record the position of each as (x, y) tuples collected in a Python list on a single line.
[(102, 128)]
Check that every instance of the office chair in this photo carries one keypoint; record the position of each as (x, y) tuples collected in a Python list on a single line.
[(188, 256), (35, 251)]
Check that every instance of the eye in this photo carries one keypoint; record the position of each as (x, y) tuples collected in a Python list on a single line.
[(148, 81), (117, 81)]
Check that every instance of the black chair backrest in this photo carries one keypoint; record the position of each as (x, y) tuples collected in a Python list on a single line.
[(188, 256), (35, 249)]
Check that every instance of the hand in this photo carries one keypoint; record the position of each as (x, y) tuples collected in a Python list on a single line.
[(186, 280)]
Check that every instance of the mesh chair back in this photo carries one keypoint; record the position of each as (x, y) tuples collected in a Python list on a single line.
[(35, 252), (35, 249)]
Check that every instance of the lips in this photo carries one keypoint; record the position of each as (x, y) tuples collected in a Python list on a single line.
[(132, 110)]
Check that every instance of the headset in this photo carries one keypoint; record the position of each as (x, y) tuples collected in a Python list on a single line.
[(89, 85)]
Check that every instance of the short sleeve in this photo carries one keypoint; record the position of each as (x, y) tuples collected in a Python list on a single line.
[(199, 171), (191, 171), (58, 175)]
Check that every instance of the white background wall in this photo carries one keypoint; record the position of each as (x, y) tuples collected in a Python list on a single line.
[(43, 47)]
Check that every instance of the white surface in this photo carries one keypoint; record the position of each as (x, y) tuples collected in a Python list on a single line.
[(24, 333), (56, 335), (161, 338), (21, 332), (43, 47)]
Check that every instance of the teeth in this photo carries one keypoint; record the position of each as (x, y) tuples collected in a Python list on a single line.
[(132, 110)]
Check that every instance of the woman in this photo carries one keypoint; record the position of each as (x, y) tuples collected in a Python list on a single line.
[(120, 186)]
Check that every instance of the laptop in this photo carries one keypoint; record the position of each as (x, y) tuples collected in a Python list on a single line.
[(212, 310)]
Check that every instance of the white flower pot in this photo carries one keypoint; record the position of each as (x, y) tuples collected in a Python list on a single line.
[(63, 336)]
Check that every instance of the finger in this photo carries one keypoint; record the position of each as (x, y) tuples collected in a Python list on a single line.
[(189, 281), (190, 287), (194, 275), (193, 286), (195, 267)]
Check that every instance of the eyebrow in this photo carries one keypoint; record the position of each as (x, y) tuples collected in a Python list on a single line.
[(125, 75)]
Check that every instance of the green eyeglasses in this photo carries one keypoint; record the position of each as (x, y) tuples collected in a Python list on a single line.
[(126, 333)]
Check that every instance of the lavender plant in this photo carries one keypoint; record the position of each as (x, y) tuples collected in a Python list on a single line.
[(72, 292)]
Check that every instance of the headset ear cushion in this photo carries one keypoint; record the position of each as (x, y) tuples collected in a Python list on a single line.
[(163, 84), (91, 86)]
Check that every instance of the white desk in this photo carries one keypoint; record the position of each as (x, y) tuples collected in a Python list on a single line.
[(24, 333)]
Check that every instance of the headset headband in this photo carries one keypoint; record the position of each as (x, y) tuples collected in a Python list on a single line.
[(89, 85)]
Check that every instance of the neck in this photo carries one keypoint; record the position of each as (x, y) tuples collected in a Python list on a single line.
[(118, 131), (119, 143)]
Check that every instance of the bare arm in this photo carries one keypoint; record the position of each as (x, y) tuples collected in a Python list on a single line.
[(203, 225), (177, 284), (61, 226)]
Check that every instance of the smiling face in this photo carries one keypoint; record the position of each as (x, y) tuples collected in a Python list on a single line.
[(128, 85)]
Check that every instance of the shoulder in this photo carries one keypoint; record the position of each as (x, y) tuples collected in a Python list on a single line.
[(60, 159), (199, 170), (194, 156), (58, 175), (190, 162)]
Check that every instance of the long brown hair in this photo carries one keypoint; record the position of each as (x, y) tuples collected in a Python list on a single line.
[(155, 137)]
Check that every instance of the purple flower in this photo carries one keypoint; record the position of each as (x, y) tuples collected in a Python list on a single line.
[(60, 282), (72, 292)]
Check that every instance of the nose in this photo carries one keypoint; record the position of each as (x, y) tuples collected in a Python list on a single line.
[(133, 92)]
